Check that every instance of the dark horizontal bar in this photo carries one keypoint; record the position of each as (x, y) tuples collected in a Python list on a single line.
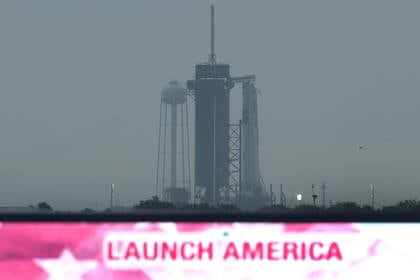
[(190, 216)]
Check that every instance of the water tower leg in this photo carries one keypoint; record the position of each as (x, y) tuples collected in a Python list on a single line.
[(173, 145)]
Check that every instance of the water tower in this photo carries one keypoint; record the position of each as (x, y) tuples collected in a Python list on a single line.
[(173, 167)]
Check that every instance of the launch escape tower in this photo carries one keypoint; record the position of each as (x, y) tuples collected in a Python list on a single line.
[(226, 155)]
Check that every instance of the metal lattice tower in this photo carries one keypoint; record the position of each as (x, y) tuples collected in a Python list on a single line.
[(230, 194)]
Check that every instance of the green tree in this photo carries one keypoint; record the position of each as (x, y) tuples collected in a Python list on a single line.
[(347, 206), (44, 206), (153, 203)]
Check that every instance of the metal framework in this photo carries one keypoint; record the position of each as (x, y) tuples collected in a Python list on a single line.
[(198, 195), (230, 194), (173, 147), (198, 192)]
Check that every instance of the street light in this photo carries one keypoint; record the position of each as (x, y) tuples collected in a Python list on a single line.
[(299, 198)]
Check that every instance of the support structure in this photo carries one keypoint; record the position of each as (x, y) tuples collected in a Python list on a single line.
[(230, 194), (212, 55), (226, 156), (211, 88), (372, 195), (253, 189), (282, 196), (323, 188), (112, 196), (272, 198), (314, 195), (173, 146)]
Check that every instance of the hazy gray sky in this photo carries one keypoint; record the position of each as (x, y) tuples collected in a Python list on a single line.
[(80, 89)]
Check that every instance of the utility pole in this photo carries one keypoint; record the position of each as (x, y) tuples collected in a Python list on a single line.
[(314, 195), (372, 195), (111, 198), (271, 195), (282, 197)]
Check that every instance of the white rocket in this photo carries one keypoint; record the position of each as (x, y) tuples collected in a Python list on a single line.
[(252, 182)]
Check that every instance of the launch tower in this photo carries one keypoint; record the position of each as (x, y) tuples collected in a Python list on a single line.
[(212, 94), (226, 163)]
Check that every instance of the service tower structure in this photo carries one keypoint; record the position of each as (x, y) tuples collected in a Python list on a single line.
[(211, 88)]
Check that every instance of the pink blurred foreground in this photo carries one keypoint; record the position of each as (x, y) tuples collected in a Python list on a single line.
[(208, 250)]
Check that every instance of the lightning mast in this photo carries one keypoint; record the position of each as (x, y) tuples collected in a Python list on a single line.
[(212, 55), (372, 195), (112, 196)]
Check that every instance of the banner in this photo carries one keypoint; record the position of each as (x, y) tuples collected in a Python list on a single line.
[(171, 250)]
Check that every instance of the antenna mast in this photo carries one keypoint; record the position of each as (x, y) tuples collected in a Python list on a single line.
[(314, 195), (212, 56), (282, 197), (372, 195), (111, 198)]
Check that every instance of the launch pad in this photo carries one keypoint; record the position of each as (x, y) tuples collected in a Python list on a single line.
[(226, 164)]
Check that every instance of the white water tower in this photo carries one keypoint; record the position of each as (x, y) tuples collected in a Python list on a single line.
[(173, 147)]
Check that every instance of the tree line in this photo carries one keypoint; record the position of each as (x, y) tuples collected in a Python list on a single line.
[(409, 205)]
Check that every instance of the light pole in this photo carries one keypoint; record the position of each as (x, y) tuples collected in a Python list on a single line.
[(299, 198), (372, 195), (314, 195)]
